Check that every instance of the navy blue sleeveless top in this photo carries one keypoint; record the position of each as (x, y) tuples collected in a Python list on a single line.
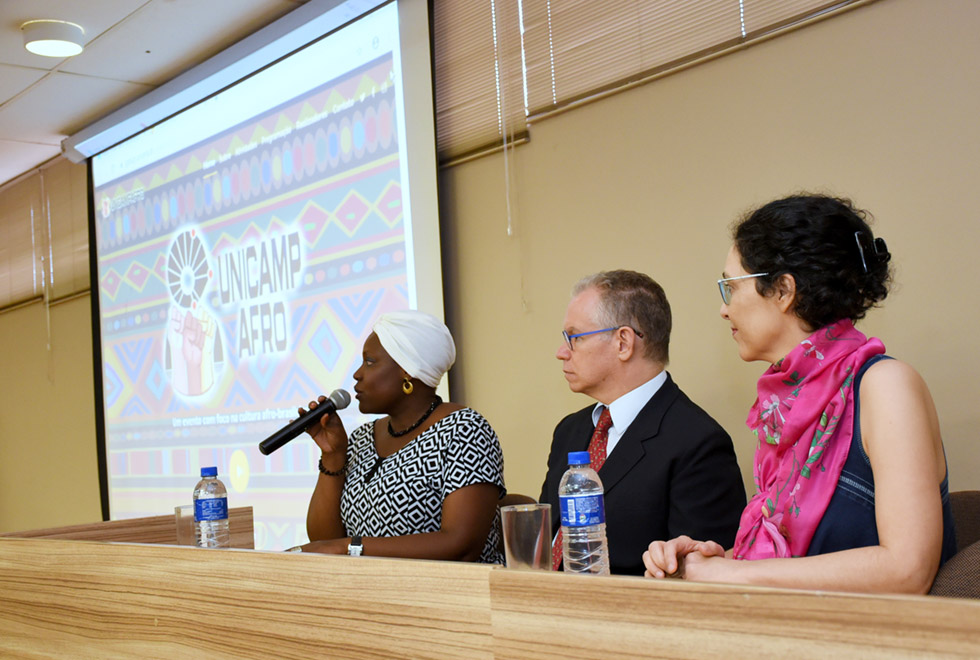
[(849, 521)]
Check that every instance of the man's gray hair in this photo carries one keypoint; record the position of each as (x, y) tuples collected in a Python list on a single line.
[(630, 298)]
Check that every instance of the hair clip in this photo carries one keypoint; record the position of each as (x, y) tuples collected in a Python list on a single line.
[(880, 250)]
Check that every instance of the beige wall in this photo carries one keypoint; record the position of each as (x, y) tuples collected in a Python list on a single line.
[(880, 103), (49, 468)]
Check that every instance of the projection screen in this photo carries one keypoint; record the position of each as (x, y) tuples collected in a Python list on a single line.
[(243, 249)]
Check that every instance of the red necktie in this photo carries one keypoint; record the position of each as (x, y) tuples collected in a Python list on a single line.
[(597, 456)]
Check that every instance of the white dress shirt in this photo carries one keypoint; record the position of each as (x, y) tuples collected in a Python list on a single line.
[(625, 409)]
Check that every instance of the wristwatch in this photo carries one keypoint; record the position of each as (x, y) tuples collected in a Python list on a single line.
[(355, 547)]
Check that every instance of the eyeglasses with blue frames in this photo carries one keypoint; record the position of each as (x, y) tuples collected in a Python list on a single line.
[(569, 338), (726, 288)]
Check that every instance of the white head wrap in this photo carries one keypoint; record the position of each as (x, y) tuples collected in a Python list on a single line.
[(419, 342)]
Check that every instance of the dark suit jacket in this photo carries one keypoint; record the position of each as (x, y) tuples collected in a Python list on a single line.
[(673, 472)]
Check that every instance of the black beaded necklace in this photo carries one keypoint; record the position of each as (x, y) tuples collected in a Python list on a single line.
[(397, 434)]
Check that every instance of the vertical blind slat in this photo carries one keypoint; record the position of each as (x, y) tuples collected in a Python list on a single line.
[(479, 81), (65, 186), (19, 258), (764, 14)]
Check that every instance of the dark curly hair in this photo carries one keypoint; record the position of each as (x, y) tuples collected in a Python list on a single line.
[(841, 270)]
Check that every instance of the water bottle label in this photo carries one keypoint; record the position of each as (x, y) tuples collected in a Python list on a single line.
[(216, 509), (582, 510)]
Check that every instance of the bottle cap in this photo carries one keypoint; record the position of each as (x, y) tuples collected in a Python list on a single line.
[(213, 471), (579, 458)]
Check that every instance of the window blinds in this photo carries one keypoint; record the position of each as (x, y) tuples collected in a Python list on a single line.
[(558, 52), (478, 81), (44, 235), (20, 253)]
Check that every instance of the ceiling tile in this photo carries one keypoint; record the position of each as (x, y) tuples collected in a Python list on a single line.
[(43, 100), (19, 157), (139, 51), (62, 104), (15, 79), (95, 17)]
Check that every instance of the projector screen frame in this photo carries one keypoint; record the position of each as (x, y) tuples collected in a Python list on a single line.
[(255, 52), (421, 196)]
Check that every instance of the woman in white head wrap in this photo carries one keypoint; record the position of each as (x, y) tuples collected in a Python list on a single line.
[(422, 481), (419, 343)]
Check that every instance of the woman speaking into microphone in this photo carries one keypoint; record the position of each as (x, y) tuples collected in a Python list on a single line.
[(423, 481)]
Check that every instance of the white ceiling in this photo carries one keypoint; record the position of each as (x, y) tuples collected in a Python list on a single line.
[(131, 47)]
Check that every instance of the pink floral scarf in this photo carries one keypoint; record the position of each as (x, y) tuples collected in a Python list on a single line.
[(803, 420)]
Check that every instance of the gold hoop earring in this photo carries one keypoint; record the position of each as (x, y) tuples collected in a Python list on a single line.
[(407, 386)]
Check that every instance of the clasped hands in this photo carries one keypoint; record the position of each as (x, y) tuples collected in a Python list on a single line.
[(683, 557)]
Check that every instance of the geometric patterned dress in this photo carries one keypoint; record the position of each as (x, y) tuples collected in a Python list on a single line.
[(403, 493)]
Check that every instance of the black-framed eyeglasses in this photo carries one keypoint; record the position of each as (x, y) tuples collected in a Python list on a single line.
[(569, 338), (726, 288)]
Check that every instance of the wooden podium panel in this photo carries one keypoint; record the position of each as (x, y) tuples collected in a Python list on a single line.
[(550, 615), (85, 599), (81, 599), (152, 529)]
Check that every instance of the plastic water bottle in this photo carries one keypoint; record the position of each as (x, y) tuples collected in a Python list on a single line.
[(211, 511), (583, 518)]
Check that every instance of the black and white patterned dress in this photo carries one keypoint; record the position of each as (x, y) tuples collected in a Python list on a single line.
[(404, 495)]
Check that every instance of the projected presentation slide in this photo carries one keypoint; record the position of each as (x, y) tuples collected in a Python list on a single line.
[(245, 248)]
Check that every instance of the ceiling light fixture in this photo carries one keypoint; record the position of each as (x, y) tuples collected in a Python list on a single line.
[(52, 38)]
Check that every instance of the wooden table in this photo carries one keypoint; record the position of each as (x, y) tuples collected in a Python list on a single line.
[(64, 598)]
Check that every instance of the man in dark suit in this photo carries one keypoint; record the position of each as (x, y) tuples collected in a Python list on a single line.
[(669, 468)]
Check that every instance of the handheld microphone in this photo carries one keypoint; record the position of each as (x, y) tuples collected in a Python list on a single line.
[(338, 400)]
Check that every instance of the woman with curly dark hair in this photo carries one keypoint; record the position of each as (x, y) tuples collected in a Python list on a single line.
[(849, 466)]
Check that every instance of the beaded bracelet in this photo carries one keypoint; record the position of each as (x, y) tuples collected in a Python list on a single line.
[(339, 473)]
